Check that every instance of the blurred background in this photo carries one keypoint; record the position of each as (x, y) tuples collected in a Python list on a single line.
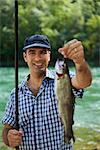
[(61, 21)]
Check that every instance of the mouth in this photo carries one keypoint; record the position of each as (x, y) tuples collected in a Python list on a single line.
[(59, 75), (38, 65), (59, 67)]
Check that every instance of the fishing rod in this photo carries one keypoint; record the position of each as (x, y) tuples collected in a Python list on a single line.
[(16, 66)]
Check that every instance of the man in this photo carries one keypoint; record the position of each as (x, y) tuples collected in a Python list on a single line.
[(39, 122)]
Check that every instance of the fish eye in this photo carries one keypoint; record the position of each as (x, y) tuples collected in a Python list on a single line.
[(63, 65)]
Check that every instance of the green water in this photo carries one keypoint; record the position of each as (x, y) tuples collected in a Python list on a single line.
[(87, 112)]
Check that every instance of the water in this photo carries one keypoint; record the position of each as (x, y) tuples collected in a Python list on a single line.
[(87, 110)]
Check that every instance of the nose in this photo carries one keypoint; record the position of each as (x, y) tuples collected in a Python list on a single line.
[(37, 56)]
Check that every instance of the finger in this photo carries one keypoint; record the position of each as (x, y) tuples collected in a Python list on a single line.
[(75, 51), (14, 132), (18, 140), (73, 46), (20, 132), (15, 139), (61, 50), (15, 143), (14, 135), (71, 42), (67, 47), (76, 56)]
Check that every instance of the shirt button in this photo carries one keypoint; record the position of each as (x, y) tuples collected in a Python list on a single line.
[(35, 115)]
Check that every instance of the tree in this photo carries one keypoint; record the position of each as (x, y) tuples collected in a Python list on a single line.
[(60, 20)]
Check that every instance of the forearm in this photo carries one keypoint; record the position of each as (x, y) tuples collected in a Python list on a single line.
[(5, 133), (11, 136), (83, 76)]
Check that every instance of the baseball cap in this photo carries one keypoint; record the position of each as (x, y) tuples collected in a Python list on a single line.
[(37, 41)]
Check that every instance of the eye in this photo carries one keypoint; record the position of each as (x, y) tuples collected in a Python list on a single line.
[(31, 52), (44, 51), (61, 63)]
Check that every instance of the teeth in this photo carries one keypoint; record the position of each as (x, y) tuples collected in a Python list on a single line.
[(38, 64)]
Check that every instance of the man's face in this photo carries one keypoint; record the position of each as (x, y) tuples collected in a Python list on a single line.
[(37, 59)]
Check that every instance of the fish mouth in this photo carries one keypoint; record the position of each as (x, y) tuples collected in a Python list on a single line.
[(60, 75), (60, 67)]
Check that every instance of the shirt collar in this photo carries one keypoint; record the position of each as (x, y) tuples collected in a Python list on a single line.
[(49, 74)]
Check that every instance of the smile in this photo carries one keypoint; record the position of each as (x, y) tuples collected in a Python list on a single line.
[(39, 65)]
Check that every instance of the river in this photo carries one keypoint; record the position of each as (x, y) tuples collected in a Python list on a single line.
[(87, 109)]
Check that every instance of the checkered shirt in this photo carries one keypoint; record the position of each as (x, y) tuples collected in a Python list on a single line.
[(38, 116)]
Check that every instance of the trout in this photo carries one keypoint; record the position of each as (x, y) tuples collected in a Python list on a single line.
[(66, 99)]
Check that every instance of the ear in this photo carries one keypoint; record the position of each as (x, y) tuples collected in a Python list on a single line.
[(24, 56), (49, 54)]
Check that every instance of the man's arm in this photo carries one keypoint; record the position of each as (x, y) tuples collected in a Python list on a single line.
[(11, 137), (83, 76), (5, 133), (73, 50)]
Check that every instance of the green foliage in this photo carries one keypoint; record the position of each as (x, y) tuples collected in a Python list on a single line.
[(60, 20)]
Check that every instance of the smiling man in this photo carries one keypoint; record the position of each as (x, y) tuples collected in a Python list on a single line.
[(37, 60), (39, 122)]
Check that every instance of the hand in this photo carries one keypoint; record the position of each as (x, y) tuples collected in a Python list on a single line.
[(14, 137), (74, 51)]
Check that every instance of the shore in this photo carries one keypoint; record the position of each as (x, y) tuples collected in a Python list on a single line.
[(86, 139)]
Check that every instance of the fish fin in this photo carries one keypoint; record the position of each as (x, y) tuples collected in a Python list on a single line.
[(73, 139), (68, 136), (61, 120), (66, 140)]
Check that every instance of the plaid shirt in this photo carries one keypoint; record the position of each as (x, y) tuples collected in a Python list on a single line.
[(38, 117)]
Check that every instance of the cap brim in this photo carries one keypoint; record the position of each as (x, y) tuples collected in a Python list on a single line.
[(36, 45)]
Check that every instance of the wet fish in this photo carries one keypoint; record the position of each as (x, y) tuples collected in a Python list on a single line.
[(66, 99)]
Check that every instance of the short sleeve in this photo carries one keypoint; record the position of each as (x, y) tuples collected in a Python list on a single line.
[(78, 93), (9, 116)]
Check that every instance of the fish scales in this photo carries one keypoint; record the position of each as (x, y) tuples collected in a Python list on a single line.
[(66, 99)]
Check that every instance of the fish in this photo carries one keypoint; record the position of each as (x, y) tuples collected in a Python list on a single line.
[(65, 97)]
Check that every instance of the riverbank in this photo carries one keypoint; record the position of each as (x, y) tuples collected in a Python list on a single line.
[(86, 139)]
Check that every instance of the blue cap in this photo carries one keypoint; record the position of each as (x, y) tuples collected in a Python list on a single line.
[(37, 41)]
